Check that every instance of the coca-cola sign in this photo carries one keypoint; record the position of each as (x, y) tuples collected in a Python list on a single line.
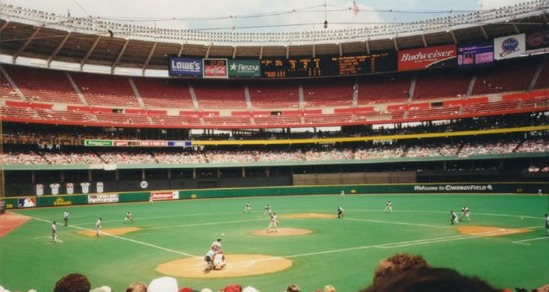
[(423, 58), (215, 68)]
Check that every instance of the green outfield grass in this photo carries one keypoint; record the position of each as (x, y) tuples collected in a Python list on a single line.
[(341, 252)]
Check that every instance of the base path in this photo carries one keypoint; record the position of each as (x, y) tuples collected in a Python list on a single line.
[(282, 232), (237, 265), (309, 216), (490, 231), (10, 221), (110, 231)]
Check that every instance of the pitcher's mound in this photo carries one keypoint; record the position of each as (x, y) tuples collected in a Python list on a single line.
[(490, 231), (282, 232), (110, 231), (237, 265)]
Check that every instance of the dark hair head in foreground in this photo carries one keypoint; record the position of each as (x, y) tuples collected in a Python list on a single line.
[(427, 279), (73, 283)]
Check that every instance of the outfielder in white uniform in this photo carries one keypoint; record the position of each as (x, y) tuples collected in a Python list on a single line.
[(129, 217)]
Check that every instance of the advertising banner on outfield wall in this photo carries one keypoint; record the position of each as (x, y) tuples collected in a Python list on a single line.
[(244, 69), (187, 67), (537, 42), (427, 58), (215, 68), (509, 47), (26, 202), (102, 198), (454, 188), (475, 54), (166, 195)]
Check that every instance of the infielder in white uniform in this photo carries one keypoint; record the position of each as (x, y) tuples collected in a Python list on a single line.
[(388, 207)]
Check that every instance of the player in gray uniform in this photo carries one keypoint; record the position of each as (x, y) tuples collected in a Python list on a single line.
[(268, 210), (98, 226), (209, 260), (248, 208), (54, 232), (339, 212), (547, 223), (454, 219), (465, 212), (66, 217)]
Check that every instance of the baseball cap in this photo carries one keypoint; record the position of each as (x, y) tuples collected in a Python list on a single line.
[(102, 289), (233, 288), (163, 284)]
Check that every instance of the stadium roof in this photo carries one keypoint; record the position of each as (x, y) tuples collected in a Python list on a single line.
[(55, 41)]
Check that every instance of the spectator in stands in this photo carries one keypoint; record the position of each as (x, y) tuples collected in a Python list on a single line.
[(137, 287), (73, 282), (293, 288), (163, 284), (396, 264), (232, 288), (427, 279), (102, 289)]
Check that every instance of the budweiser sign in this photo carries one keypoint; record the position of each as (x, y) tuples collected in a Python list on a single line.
[(422, 58)]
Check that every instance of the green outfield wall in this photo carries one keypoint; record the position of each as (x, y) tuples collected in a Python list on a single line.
[(190, 194)]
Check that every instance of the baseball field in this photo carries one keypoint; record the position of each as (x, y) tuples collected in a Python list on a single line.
[(504, 243)]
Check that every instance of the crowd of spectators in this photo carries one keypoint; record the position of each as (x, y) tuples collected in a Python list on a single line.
[(536, 169), (243, 155), (46, 135), (488, 148), (78, 282)]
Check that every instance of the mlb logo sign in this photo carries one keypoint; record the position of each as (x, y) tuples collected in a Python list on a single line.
[(215, 68), (26, 202)]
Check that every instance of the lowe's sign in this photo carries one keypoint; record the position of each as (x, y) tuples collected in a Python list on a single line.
[(188, 67)]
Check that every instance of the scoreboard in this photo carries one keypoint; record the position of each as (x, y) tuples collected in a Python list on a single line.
[(328, 65), (293, 67), (366, 63)]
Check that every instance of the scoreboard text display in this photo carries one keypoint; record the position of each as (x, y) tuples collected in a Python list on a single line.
[(328, 65)]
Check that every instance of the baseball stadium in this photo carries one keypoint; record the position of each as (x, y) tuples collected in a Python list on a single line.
[(135, 153)]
